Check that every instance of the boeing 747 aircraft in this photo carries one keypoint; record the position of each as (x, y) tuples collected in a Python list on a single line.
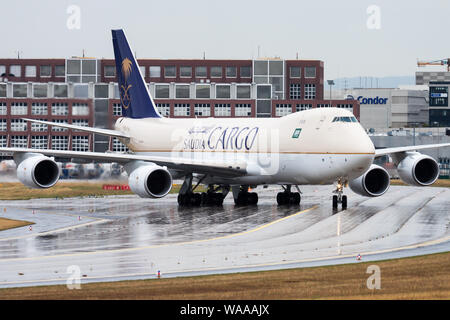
[(317, 146)]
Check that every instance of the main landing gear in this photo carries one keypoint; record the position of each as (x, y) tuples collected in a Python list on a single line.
[(287, 197), (339, 197), (242, 197), (187, 197)]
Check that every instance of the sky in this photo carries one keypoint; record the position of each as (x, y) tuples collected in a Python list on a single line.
[(375, 38)]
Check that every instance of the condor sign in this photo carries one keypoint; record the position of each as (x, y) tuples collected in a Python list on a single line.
[(376, 100)]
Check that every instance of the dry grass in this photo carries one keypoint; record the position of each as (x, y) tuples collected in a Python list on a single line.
[(425, 277), (438, 183), (6, 224), (63, 189)]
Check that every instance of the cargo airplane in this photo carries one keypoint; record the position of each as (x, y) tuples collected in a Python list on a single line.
[(317, 146)]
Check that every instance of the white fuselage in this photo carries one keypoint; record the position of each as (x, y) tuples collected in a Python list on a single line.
[(275, 153)]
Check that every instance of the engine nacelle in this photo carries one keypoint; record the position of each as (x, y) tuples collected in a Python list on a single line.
[(37, 171), (150, 181), (373, 183), (418, 169)]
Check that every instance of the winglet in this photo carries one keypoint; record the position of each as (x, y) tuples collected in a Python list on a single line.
[(134, 95)]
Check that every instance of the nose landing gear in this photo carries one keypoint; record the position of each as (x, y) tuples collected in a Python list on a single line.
[(339, 197)]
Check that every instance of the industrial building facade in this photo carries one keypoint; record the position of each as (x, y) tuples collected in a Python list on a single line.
[(83, 91)]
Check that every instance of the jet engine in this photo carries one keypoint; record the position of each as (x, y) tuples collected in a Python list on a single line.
[(37, 171), (373, 183), (150, 181), (418, 169)]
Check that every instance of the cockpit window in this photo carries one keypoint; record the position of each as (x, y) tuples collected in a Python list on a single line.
[(344, 119)]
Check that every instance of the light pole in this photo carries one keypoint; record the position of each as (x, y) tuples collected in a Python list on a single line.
[(330, 83)]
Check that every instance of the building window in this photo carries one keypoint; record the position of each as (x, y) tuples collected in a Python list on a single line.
[(81, 90), (216, 72), (231, 72), (243, 91), (19, 141), (3, 142), (80, 109), (295, 72), (182, 91), (60, 109), (3, 90), (38, 108), (202, 109), (295, 90), (182, 110), (283, 109), (45, 71), (60, 142), (39, 127), (246, 72), (163, 109), (264, 92), (19, 108), (162, 91), (3, 108), (60, 71), (15, 70), (80, 143), (243, 110), (310, 72), (303, 106), (310, 91), (110, 71), (3, 125), (346, 106), (222, 110), (143, 70), (200, 72), (202, 91), (170, 72), (155, 72), (186, 72), (40, 90), (30, 71), (18, 125), (60, 90), (2, 70), (117, 109), (39, 142), (223, 91), (59, 129), (101, 90), (19, 90), (80, 123), (260, 68), (323, 105), (118, 146)]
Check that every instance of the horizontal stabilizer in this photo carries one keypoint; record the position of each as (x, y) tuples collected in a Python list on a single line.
[(105, 132)]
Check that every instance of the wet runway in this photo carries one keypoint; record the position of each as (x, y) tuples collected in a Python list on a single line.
[(125, 237)]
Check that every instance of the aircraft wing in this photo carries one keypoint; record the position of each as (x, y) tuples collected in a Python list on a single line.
[(387, 151), (219, 168), (105, 132)]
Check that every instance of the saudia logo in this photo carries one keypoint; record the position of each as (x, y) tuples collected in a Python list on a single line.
[(124, 95), (221, 138), (376, 100)]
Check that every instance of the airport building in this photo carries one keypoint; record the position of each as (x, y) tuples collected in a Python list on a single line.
[(83, 91), (391, 107)]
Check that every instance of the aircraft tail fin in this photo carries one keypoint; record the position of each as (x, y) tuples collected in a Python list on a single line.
[(134, 94)]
